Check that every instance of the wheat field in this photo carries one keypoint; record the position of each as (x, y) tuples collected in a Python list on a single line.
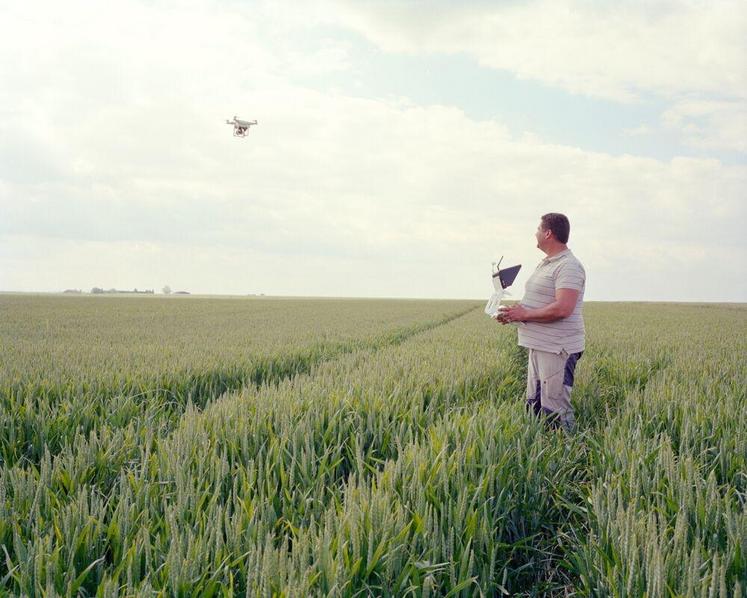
[(185, 446)]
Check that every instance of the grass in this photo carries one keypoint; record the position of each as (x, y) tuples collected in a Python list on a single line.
[(215, 447)]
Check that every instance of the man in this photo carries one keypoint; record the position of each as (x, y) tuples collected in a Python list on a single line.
[(554, 327)]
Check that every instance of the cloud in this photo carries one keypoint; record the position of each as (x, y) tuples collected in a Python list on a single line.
[(639, 131), (122, 173), (334, 185), (710, 124), (613, 50), (691, 55)]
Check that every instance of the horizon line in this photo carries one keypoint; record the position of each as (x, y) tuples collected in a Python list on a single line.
[(188, 295)]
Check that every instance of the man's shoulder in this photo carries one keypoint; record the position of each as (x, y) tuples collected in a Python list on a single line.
[(569, 273), (569, 260), (564, 260)]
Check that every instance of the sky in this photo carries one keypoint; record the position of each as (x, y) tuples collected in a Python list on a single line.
[(402, 147)]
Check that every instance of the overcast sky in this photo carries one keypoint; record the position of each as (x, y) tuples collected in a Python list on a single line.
[(401, 147)]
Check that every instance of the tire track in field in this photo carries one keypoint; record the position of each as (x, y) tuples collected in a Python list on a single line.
[(303, 363), (305, 367), (274, 371), (161, 407)]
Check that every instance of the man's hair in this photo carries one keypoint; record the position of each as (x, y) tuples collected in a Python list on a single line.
[(558, 224)]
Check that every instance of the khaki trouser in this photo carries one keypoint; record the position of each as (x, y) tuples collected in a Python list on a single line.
[(549, 384)]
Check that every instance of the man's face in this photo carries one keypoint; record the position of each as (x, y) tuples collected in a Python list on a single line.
[(542, 236)]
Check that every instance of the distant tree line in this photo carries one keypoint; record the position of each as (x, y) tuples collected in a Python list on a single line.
[(100, 291)]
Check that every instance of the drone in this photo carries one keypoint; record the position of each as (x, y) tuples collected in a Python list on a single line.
[(240, 127)]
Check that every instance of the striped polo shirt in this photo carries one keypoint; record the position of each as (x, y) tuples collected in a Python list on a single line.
[(561, 271)]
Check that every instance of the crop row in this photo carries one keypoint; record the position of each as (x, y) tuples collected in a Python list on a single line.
[(116, 363), (668, 465), (409, 467), (262, 464)]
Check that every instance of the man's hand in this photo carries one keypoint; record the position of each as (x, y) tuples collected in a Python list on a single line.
[(515, 313), (499, 317), (562, 307)]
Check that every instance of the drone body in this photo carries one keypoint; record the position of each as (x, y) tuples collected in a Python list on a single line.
[(240, 127)]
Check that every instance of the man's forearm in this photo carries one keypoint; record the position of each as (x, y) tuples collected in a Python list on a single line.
[(562, 307), (549, 313)]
